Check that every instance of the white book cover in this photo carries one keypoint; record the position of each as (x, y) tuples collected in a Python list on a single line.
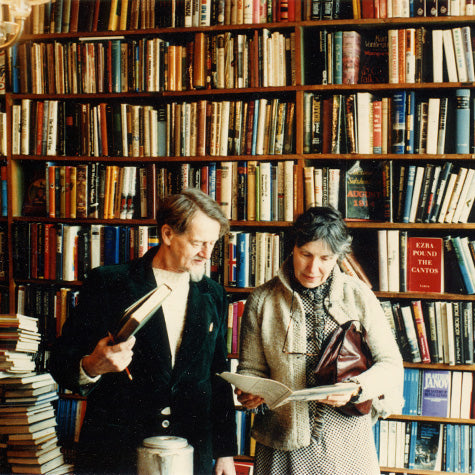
[(449, 332), (393, 56), (392, 443), (363, 105), (261, 129), (468, 256), (383, 260), (416, 194), (449, 55), (260, 258), (223, 140), (383, 442), (70, 234), (437, 57), (333, 187), (95, 245), (288, 190), (309, 186), (52, 130), (455, 394), (226, 188), (460, 60), (433, 125), (467, 50), (393, 260), (461, 203), (265, 191), (455, 194), (318, 181), (447, 197), (468, 203), (466, 397), (25, 126)]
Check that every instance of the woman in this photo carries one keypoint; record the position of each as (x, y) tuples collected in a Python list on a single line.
[(283, 326)]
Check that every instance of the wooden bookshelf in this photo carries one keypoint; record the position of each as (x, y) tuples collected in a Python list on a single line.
[(292, 92)]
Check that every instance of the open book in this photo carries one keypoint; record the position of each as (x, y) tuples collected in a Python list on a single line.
[(276, 394), (140, 311)]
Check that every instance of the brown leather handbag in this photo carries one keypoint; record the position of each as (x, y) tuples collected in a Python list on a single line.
[(345, 354)]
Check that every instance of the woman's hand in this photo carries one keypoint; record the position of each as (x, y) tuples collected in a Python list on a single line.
[(339, 400), (249, 401)]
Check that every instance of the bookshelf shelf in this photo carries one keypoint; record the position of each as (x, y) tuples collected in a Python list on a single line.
[(444, 420), (415, 472), (423, 295), (386, 225)]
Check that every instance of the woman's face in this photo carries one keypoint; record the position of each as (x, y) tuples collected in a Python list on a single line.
[(313, 263)]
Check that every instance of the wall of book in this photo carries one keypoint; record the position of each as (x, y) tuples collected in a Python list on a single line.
[(270, 107)]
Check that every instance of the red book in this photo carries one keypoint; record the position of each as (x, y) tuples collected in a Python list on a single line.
[(367, 9), (425, 265), (52, 191), (39, 127), (421, 330)]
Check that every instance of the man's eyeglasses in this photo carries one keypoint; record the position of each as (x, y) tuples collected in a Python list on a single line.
[(284, 350)]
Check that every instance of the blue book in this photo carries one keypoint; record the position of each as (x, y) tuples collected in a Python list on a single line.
[(398, 122), (254, 126), (410, 114), (411, 175), (414, 391), (435, 393), (124, 244), (376, 437), (212, 180), (4, 191), (115, 53), (15, 65), (406, 390), (463, 265), (111, 245), (462, 121), (243, 245), (449, 448), (464, 448), (338, 57), (412, 444)]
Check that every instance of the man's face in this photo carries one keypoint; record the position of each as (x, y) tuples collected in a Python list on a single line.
[(189, 252)]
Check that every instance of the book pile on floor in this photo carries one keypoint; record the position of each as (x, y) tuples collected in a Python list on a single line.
[(28, 439)]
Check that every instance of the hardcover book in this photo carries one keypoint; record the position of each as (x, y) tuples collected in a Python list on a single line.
[(425, 265), (140, 311)]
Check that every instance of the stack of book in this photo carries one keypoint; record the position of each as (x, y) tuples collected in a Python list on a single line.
[(27, 416)]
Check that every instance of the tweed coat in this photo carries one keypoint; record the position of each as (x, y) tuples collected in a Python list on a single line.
[(264, 325)]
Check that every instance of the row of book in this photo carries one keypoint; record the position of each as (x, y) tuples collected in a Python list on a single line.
[(66, 252), (365, 190), (421, 445), (120, 191), (250, 259), (422, 264), (70, 416), (71, 16), (433, 331), (51, 305), (199, 128), (153, 65), (335, 9), (246, 443), (245, 190), (404, 123), (438, 393)]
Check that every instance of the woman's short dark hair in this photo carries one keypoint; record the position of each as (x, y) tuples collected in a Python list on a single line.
[(178, 210), (322, 223)]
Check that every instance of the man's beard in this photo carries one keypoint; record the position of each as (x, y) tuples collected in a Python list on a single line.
[(197, 274)]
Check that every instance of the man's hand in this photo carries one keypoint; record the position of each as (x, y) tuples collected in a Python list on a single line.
[(108, 358), (224, 466), (249, 401)]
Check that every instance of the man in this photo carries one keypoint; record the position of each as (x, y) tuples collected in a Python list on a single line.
[(173, 359)]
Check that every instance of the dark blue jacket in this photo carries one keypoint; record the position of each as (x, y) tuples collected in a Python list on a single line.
[(121, 413)]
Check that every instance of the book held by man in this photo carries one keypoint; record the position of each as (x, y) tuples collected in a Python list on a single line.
[(140, 311), (276, 394)]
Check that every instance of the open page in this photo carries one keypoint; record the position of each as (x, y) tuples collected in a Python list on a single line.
[(276, 394)]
